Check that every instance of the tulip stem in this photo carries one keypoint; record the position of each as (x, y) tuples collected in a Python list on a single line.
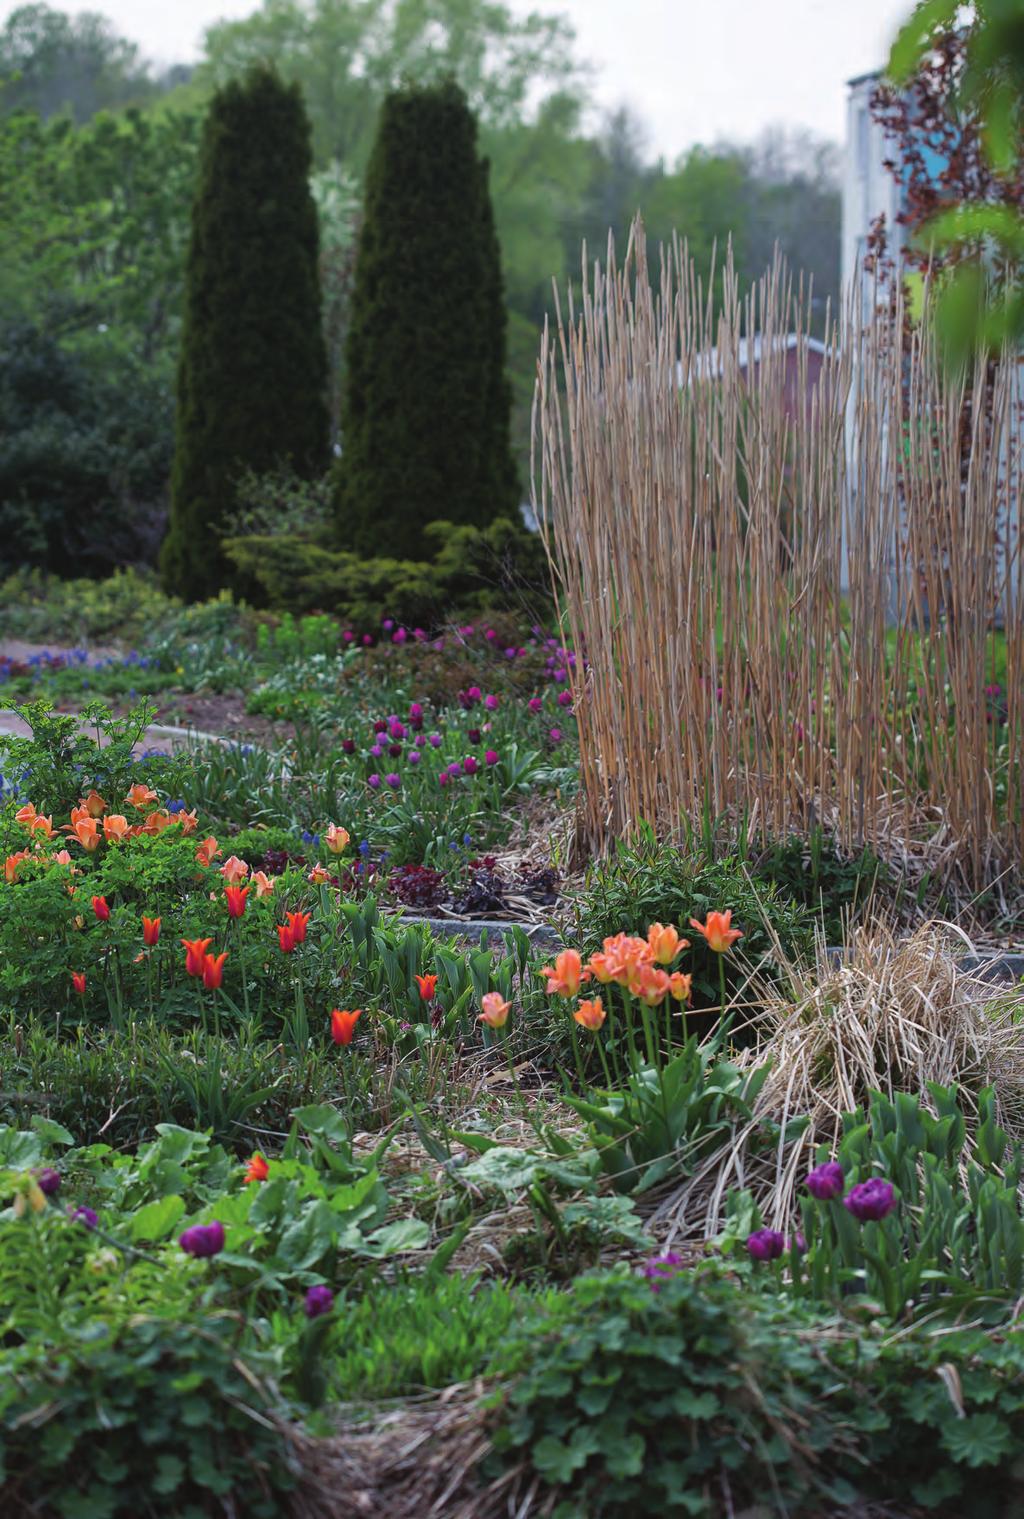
[(241, 963), (721, 983)]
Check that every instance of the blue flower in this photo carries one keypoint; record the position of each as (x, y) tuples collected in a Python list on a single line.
[(364, 847), (177, 806)]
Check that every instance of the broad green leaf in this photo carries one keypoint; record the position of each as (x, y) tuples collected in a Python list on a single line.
[(156, 1220)]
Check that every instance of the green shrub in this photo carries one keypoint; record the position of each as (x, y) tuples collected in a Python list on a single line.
[(253, 368), (426, 304), (699, 1396), (837, 887), (474, 568)]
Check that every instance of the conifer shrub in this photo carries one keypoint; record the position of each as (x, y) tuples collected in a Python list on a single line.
[(252, 373), (426, 404)]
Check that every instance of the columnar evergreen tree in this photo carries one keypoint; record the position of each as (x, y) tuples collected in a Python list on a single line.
[(252, 373), (425, 413)]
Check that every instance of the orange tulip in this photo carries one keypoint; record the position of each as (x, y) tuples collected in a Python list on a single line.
[(26, 815), (63, 858), (236, 897), (94, 804), (665, 942), (620, 959), (206, 851), (565, 975), (188, 820), (263, 883), (12, 862), (43, 825), (343, 1025), (495, 1010), (716, 930), (115, 826), (297, 923), (234, 870), (139, 795), (680, 986), (213, 970), (77, 814), (78, 981), (87, 832), (195, 951), (258, 1170), (157, 821), (591, 1014), (150, 931), (650, 985), (336, 838), (101, 908), (427, 986), (318, 875)]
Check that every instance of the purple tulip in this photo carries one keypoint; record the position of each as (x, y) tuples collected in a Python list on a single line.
[(444, 779), (48, 1181), (380, 726), (565, 698), (435, 741), (348, 745), (415, 712), (203, 1240), (377, 751), (348, 635), (84, 1216), (535, 704), (555, 735), (765, 1244), (491, 703), (397, 729), (473, 734), (395, 751), (393, 780), (871, 1199), (470, 765), (662, 1268), (373, 781), (388, 624), (490, 757), (399, 635), (319, 1300), (826, 1181), (454, 769), (414, 756)]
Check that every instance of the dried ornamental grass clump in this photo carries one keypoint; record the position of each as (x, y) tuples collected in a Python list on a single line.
[(890, 1015)]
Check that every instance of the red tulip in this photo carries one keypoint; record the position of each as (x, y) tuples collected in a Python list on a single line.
[(235, 896), (213, 970), (78, 980), (150, 931), (297, 923), (343, 1025), (101, 908), (195, 953)]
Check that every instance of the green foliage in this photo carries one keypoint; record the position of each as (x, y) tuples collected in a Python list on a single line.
[(52, 62), (472, 568), (252, 371), (62, 761), (403, 1337), (699, 1394), (648, 882), (102, 1410), (662, 1119), (84, 455), (836, 888), (426, 302), (954, 1241)]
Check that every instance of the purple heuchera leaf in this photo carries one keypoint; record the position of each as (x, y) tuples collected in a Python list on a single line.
[(826, 1181), (871, 1200)]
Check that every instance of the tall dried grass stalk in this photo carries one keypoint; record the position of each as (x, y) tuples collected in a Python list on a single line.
[(786, 605)]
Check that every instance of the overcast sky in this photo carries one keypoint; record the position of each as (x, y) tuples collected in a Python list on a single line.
[(694, 69)]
